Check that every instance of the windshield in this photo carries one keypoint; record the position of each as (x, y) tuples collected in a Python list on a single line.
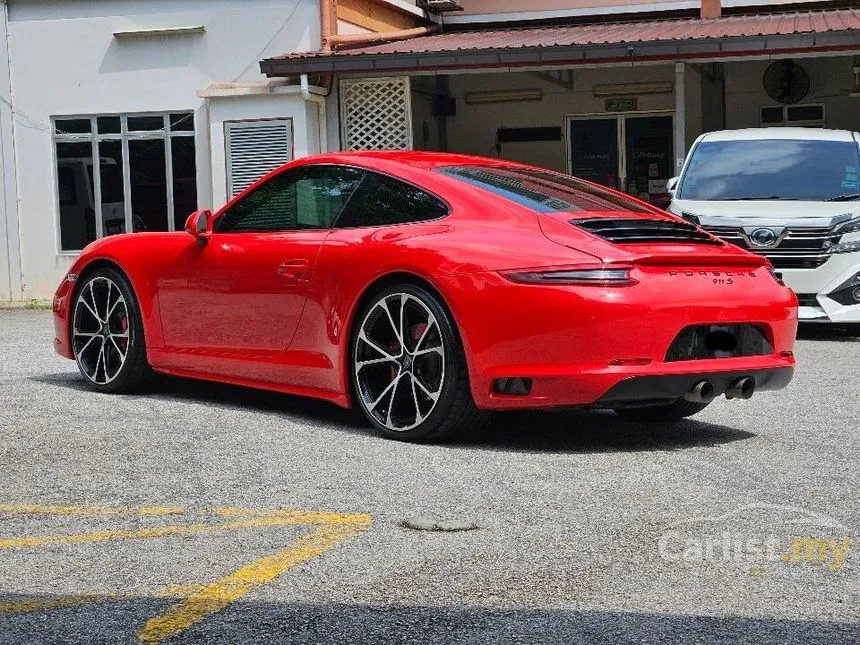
[(544, 192), (771, 169)]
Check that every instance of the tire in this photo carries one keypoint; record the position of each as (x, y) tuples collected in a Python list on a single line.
[(106, 321), (422, 393), (680, 409)]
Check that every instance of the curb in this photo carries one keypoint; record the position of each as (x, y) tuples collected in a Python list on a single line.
[(17, 305)]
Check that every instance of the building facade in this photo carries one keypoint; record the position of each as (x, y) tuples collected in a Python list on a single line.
[(126, 115)]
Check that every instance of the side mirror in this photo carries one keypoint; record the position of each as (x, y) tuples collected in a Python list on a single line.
[(199, 225), (671, 184)]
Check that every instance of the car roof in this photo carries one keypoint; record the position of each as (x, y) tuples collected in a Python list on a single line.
[(421, 158), (758, 134)]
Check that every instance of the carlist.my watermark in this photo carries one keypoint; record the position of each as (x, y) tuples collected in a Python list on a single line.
[(746, 535)]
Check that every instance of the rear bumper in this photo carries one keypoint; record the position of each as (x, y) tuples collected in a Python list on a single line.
[(576, 344), (578, 385), (674, 386)]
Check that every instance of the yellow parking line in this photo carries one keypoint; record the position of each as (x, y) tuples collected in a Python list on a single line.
[(218, 595), (37, 509), (61, 602), (285, 519), (198, 601), (44, 604)]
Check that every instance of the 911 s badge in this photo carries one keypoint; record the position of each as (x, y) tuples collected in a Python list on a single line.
[(717, 277)]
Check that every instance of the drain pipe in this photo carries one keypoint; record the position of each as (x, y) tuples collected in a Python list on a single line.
[(374, 38), (320, 100)]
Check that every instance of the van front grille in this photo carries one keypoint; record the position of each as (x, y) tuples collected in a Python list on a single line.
[(799, 248)]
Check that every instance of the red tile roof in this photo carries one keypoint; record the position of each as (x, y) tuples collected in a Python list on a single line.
[(669, 30)]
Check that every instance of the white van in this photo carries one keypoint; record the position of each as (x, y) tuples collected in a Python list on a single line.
[(790, 194)]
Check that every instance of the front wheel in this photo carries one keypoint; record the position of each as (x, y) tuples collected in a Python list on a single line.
[(408, 367), (680, 409), (107, 333)]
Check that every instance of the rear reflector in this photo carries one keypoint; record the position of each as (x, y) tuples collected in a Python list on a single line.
[(630, 361)]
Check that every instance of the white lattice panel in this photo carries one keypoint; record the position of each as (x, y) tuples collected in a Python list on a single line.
[(376, 114)]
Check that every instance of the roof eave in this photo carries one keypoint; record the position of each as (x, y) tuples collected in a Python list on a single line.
[(681, 50)]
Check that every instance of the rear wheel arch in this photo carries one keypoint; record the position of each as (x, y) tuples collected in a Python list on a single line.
[(377, 286)]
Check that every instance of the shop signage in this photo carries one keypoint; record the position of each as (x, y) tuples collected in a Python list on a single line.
[(621, 105)]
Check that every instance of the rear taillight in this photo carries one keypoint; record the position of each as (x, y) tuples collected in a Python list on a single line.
[(603, 277), (776, 276)]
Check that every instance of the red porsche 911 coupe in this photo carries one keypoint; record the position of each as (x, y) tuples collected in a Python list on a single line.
[(430, 288)]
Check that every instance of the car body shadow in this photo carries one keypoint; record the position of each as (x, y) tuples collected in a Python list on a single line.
[(596, 431), (116, 621), (521, 431), (828, 332)]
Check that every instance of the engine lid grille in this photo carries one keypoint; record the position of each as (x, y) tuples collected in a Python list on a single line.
[(637, 230)]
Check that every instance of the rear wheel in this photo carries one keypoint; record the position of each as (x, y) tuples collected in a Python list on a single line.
[(409, 369), (680, 409), (107, 333)]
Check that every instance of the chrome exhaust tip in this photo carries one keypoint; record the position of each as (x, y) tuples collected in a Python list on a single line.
[(743, 388), (701, 392)]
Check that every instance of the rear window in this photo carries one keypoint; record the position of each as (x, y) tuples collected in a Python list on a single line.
[(544, 192)]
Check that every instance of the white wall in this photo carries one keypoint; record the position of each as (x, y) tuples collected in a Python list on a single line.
[(269, 106), (66, 61), (829, 78), (9, 256)]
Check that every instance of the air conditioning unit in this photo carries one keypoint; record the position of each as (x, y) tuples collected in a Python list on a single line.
[(440, 6)]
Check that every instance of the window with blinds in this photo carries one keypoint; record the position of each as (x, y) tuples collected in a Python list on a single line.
[(255, 148)]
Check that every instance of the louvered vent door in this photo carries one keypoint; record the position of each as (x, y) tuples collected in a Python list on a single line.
[(376, 113), (254, 148)]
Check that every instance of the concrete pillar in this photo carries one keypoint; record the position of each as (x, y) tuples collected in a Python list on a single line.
[(680, 116), (10, 248)]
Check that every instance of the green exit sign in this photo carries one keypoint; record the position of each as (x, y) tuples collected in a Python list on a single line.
[(621, 105)]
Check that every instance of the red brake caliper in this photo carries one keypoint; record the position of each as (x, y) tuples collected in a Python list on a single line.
[(123, 327), (417, 332)]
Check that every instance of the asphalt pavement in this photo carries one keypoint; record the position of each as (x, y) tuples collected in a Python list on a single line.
[(203, 513)]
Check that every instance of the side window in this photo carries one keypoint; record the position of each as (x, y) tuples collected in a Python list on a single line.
[(305, 198), (382, 201)]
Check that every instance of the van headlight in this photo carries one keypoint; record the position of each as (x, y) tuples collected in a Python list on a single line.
[(846, 247), (851, 226), (845, 229)]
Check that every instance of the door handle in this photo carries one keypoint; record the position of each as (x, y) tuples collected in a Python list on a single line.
[(293, 269)]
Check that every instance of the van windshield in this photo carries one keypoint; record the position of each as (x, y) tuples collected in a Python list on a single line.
[(772, 169)]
